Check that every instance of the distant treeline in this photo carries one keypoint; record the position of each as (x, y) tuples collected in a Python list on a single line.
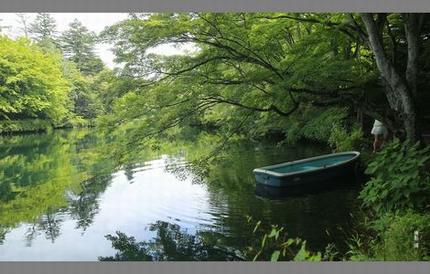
[(50, 79)]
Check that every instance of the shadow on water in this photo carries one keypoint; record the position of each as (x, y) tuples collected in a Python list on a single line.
[(173, 243), (280, 193)]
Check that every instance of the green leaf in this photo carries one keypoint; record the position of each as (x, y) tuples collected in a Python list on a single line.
[(273, 232), (263, 242), (275, 256), (302, 255), (256, 226)]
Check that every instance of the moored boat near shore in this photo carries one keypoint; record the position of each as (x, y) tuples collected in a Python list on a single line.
[(310, 170)]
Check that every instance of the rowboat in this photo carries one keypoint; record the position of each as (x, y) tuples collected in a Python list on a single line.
[(310, 170)]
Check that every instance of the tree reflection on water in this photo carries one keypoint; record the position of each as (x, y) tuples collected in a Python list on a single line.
[(170, 244)]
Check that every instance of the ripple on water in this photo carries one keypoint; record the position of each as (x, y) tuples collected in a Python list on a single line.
[(138, 195)]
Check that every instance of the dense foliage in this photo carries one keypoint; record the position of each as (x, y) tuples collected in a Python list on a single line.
[(24, 126), (404, 237), (50, 80), (400, 178), (77, 44), (43, 28), (247, 73), (31, 82), (400, 236), (397, 196)]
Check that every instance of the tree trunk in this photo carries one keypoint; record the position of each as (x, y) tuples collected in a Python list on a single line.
[(398, 93), (411, 32)]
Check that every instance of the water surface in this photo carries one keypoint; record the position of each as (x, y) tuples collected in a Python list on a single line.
[(60, 198)]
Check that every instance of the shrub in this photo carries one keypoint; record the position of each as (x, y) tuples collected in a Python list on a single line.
[(399, 179), (20, 126), (360, 248), (273, 244), (314, 125), (342, 140), (396, 233), (31, 81), (76, 122), (319, 128), (328, 126)]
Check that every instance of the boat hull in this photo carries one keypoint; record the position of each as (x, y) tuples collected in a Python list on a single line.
[(347, 168), (280, 193)]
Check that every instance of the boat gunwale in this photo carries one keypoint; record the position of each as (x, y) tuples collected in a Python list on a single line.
[(277, 174)]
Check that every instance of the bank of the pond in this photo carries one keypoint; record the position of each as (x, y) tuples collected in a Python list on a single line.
[(16, 127)]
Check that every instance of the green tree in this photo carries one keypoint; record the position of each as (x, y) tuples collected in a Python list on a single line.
[(250, 72), (111, 85), (402, 88), (82, 95), (31, 82), (78, 46), (271, 65), (44, 31)]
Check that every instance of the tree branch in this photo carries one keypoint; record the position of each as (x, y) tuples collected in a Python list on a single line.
[(271, 108)]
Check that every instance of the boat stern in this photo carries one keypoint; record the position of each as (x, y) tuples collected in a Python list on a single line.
[(262, 177)]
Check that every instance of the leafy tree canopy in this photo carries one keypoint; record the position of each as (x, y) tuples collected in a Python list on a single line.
[(43, 30), (31, 82), (78, 45), (248, 70)]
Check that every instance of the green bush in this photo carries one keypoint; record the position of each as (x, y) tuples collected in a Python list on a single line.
[(360, 248), (327, 126), (319, 127), (399, 179), (396, 237), (20, 126), (76, 122), (39, 125), (342, 140), (273, 244), (31, 82), (314, 125)]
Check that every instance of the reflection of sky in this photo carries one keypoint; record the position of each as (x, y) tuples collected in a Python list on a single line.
[(127, 207)]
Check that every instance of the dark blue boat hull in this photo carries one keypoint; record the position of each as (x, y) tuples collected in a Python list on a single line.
[(280, 193), (319, 175)]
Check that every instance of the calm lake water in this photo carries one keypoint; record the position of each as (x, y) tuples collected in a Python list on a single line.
[(60, 197)]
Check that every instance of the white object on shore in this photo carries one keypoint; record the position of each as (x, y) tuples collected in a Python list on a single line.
[(379, 128), (416, 239)]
